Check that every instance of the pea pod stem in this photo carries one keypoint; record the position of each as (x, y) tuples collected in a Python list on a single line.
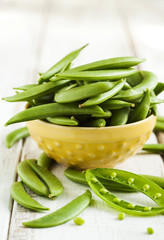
[(64, 214), (19, 194), (54, 185), (16, 135)]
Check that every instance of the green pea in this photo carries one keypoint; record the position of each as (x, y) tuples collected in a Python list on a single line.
[(19, 194), (63, 214), (121, 216), (79, 221), (150, 230), (16, 135)]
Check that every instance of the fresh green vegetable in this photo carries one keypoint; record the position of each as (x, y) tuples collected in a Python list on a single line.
[(79, 221), (16, 135)]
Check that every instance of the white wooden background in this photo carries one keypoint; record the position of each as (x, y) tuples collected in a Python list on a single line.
[(33, 35)]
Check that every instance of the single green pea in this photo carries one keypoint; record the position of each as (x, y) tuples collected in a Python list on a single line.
[(130, 180), (113, 175), (131, 205), (103, 190), (94, 180), (150, 230), (146, 187), (117, 200), (147, 208), (121, 216), (79, 221), (158, 195)]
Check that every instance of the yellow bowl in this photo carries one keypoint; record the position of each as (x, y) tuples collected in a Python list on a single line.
[(86, 147)]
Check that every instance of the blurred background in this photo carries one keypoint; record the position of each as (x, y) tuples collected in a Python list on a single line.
[(34, 34)]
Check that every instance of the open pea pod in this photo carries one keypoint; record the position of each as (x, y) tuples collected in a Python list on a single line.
[(135, 181)]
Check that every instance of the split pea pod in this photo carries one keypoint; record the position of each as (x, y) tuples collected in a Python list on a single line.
[(64, 214), (149, 82), (59, 65), (16, 135), (19, 194), (36, 92), (53, 110), (140, 112), (28, 176), (111, 63), (65, 121), (54, 185), (83, 92), (44, 160), (100, 75), (79, 177), (137, 182), (102, 97), (120, 116), (113, 104), (154, 148)]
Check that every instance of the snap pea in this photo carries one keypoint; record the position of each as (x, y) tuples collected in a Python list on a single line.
[(140, 112), (154, 148), (36, 92), (126, 86), (102, 97), (155, 100), (59, 65), (54, 185), (79, 177), (16, 135), (111, 63), (159, 126), (120, 116), (83, 92), (63, 121), (108, 114), (134, 79), (99, 122), (153, 106), (63, 214), (113, 104), (26, 87), (52, 110), (44, 160), (149, 82), (160, 118), (29, 177), (100, 75), (159, 88), (137, 182), (67, 87), (43, 100), (19, 194)]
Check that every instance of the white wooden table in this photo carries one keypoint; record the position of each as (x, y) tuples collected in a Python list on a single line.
[(33, 35)]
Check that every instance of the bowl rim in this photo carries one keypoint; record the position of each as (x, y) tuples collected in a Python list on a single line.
[(85, 128)]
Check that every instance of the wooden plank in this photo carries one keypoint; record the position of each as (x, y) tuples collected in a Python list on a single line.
[(19, 32)]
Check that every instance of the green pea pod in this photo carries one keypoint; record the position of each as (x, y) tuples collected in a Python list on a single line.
[(159, 88), (113, 104), (63, 121), (134, 79), (102, 97), (63, 214), (26, 87), (126, 86), (159, 126), (61, 64), (111, 63), (54, 185), (155, 100), (137, 182), (99, 122), (36, 92), (16, 135), (153, 109), (160, 118), (44, 160), (43, 100), (52, 110), (154, 148), (19, 194), (108, 114), (120, 116), (149, 82), (79, 177), (100, 75), (140, 112), (28, 176), (83, 92)]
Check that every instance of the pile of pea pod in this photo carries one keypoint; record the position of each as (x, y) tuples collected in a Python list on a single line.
[(108, 92)]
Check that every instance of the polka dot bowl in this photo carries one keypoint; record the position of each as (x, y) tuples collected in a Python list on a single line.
[(84, 148)]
